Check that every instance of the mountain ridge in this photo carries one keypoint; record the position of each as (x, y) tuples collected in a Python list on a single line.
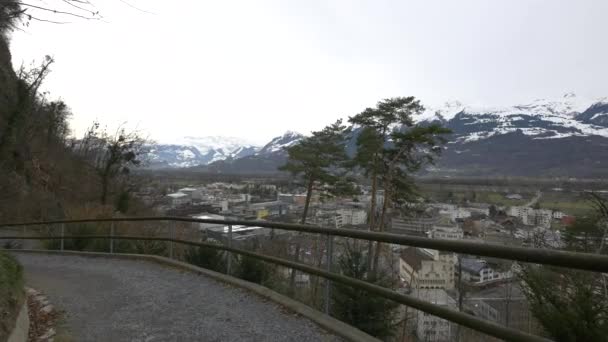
[(485, 140)]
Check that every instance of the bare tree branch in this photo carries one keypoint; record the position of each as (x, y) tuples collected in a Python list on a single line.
[(71, 3), (59, 12), (136, 8)]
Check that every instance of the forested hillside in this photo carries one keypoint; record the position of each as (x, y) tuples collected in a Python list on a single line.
[(45, 173)]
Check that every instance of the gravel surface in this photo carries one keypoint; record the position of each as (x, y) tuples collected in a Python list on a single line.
[(129, 300)]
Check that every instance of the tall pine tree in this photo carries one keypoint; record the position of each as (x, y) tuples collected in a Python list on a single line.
[(319, 160), (390, 149)]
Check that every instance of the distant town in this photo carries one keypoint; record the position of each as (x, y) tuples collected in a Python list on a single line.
[(485, 287)]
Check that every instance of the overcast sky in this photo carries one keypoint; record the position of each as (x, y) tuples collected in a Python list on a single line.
[(254, 69)]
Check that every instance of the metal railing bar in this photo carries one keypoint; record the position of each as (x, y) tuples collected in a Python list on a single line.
[(581, 261), (463, 319)]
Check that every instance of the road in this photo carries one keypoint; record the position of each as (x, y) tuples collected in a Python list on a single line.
[(130, 300), (534, 200)]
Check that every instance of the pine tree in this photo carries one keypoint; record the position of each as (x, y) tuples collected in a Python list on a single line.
[(572, 305), (373, 314), (319, 160), (390, 149)]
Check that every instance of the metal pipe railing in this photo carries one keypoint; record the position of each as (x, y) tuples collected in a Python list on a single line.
[(581, 261), (463, 319)]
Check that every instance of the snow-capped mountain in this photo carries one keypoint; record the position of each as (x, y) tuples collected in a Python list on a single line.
[(563, 137), (266, 160), (200, 151), (280, 143), (567, 116), (194, 151), (170, 156), (567, 136), (219, 148)]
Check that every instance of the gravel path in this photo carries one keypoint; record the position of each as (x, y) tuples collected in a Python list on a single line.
[(129, 300)]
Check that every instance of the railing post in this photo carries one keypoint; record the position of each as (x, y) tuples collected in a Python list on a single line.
[(111, 237), (172, 236), (330, 255), (62, 235), (229, 262)]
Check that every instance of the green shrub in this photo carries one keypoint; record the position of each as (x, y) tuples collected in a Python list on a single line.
[(205, 257), (11, 293), (254, 270), (371, 313), (77, 244)]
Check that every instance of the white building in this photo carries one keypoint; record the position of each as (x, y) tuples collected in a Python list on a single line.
[(178, 198), (206, 226), (477, 271), (427, 269), (446, 230), (352, 216), (454, 212), (194, 193), (532, 217), (432, 328), (558, 215)]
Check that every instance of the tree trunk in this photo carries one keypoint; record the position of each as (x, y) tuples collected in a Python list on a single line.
[(460, 295), (311, 182), (385, 203), (319, 261), (296, 257), (372, 216)]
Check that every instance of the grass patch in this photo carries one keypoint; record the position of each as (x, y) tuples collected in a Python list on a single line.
[(570, 208), (569, 203), (500, 199), (11, 293)]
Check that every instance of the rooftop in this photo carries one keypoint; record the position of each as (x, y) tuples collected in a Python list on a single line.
[(473, 265), (414, 257), (177, 195)]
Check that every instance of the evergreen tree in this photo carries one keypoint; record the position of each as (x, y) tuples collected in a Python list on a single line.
[(254, 270), (572, 305), (205, 257), (373, 314), (319, 160), (389, 149)]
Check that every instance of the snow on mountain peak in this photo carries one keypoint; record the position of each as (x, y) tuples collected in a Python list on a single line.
[(292, 134), (441, 113), (279, 143), (567, 105), (541, 118), (215, 143)]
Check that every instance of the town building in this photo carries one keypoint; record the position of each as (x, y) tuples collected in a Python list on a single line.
[(194, 193), (352, 216), (426, 269), (413, 226), (532, 217), (445, 229), (432, 328), (178, 198), (454, 212), (478, 272), (505, 304)]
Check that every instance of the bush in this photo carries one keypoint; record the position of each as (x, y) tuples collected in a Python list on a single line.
[(371, 313), (78, 244), (254, 270), (205, 257), (11, 292)]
